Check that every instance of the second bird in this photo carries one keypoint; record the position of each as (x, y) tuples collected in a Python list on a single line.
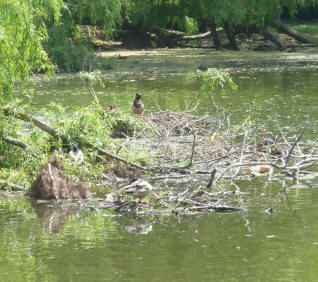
[(138, 107)]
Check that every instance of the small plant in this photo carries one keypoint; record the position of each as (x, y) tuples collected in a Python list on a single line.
[(91, 79), (214, 80)]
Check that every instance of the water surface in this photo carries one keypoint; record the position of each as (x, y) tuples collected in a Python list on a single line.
[(42, 241)]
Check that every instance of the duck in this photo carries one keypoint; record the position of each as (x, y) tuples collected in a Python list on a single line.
[(76, 154), (138, 107), (112, 109), (138, 188)]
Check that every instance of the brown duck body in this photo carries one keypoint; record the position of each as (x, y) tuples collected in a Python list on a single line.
[(112, 110), (139, 188), (138, 107)]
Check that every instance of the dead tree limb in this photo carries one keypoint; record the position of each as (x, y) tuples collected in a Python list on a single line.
[(209, 185), (197, 36), (29, 118), (105, 153), (192, 152), (14, 141)]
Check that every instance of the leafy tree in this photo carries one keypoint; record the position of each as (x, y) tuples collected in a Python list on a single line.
[(102, 13), (69, 46), (22, 33)]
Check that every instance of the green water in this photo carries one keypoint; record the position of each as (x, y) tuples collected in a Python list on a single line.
[(50, 242), (42, 243), (289, 96)]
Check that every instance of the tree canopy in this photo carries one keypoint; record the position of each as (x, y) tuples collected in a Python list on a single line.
[(36, 35)]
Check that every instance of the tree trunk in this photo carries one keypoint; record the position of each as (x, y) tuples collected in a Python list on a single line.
[(216, 39), (274, 38), (301, 37), (231, 35)]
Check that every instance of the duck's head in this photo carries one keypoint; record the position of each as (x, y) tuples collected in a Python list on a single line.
[(138, 96), (75, 148)]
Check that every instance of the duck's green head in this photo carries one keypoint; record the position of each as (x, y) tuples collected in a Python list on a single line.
[(138, 96)]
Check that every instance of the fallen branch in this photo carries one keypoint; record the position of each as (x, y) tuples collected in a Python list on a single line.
[(103, 152), (29, 118), (12, 186), (274, 38), (14, 141)]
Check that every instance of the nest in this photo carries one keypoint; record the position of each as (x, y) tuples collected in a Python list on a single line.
[(168, 123), (53, 183)]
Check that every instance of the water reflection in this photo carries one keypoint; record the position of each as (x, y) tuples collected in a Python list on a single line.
[(53, 215), (136, 224)]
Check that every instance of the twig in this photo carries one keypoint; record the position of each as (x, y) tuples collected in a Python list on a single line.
[(295, 143), (192, 152)]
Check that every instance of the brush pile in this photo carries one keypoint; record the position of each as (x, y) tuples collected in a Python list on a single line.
[(53, 183)]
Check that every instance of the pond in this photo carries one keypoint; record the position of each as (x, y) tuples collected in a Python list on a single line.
[(45, 241)]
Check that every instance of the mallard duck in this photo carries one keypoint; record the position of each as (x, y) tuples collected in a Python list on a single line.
[(138, 188), (76, 154), (111, 110), (138, 107)]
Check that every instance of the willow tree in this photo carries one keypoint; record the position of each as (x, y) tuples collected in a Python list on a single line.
[(238, 16), (70, 43), (103, 13), (22, 33)]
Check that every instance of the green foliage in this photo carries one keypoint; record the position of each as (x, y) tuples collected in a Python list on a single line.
[(69, 48), (79, 126), (103, 13), (189, 25), (22, 33), (215, 80)]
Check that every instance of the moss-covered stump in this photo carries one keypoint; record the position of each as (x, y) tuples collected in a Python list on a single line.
[(53, 183)]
